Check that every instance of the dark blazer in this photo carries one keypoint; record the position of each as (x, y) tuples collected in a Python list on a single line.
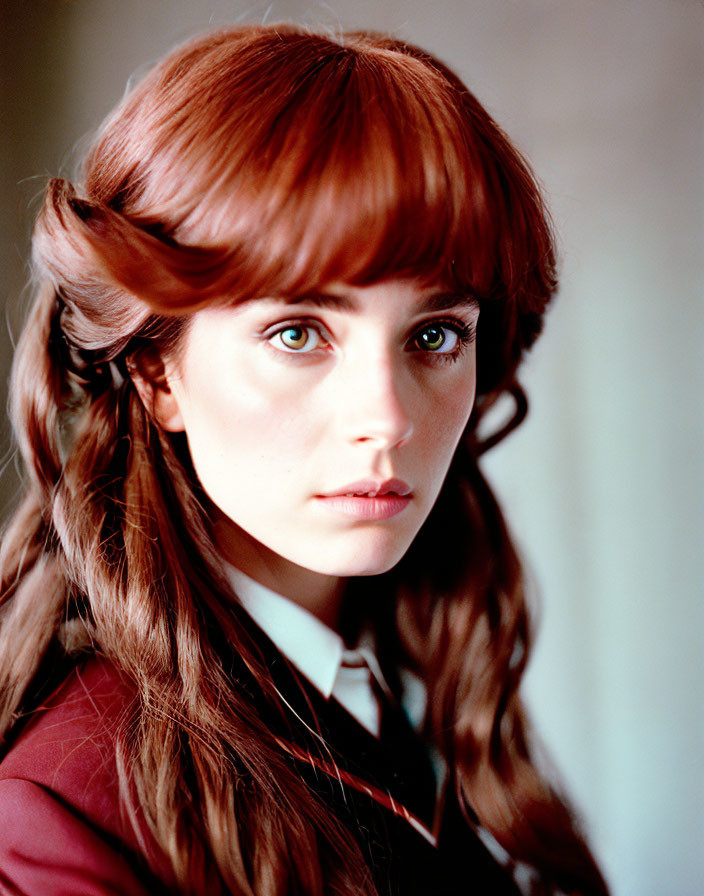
[(64, 831)]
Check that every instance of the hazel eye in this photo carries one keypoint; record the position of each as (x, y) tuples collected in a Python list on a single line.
[(437, 339), (297, 338)]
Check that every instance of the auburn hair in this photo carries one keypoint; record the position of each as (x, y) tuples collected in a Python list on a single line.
[(261, 160)]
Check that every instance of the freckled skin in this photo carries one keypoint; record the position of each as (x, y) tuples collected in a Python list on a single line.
[(270, 427)]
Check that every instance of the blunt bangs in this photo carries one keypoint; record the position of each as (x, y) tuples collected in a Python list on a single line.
[(309, 161), (369, 170), (270, 161), (375, 178)]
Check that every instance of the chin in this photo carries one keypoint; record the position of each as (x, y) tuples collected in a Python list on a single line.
[(371, 561)]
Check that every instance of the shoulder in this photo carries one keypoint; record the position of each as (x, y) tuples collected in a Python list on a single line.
[(67, 743), (61, 807)]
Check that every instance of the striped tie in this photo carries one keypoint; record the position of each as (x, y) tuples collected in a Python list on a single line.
[(380, 712)]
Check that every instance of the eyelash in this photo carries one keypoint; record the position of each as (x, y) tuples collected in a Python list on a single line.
[(466, 334)]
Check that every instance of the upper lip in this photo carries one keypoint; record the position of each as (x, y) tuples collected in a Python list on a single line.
[(365, 486)]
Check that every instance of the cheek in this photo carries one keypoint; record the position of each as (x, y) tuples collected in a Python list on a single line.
[(444, 417), (245, 426)]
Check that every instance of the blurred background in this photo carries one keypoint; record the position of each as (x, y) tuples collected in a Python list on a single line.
[(604, 483)]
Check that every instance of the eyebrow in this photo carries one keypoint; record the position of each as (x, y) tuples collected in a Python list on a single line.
[(440, 301)]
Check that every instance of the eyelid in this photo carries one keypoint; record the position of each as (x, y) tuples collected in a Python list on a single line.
[(465, 333), (273, 329), (465, 330), (468, 320), (452, 323), (305, 323)]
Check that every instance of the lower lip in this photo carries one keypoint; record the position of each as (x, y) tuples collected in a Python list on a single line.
[(380, 508)]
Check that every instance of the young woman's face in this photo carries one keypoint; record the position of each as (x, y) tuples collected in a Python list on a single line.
[(286, 404)]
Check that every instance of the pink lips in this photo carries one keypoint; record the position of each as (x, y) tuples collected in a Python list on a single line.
[(369, 486), (369, 499)]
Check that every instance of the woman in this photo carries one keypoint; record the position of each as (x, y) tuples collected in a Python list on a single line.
[(255, 544)]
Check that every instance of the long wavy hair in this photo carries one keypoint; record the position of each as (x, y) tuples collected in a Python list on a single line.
[(258, 161)]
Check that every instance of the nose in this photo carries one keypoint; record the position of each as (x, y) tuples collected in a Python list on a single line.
[(373, 408)]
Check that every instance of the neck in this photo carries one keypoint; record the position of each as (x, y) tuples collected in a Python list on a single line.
[(320, 594)]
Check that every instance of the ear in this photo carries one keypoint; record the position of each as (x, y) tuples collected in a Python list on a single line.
[(154, 378)]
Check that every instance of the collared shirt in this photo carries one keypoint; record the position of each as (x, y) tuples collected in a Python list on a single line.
[(319, 654), (317, 651)]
